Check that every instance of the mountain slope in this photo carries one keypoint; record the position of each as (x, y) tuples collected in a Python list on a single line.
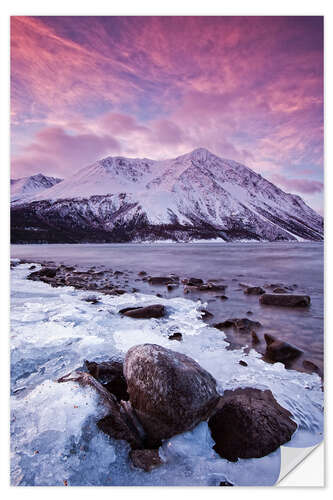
[(26, 187), (194, 196)]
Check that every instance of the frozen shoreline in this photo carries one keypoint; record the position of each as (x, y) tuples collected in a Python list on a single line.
[(54, 330)]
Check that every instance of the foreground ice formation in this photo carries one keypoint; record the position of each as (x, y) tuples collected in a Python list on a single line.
[(54, 436)]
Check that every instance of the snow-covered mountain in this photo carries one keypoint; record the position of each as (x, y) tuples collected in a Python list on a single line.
[(25, 188), (194, 196)]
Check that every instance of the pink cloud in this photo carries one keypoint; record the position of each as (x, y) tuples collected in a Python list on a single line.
[(303, 186), (54, 151)]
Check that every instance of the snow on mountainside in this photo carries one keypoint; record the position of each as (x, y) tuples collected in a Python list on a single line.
[(194, 196), (26, 187)]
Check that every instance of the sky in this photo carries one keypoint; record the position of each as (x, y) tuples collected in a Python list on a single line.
[(246, 88)]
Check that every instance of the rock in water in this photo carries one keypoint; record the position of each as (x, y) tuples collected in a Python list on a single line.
[(153, 311), (254, 290), (278, 350), (285, 300), (170, 392), (249, 424)]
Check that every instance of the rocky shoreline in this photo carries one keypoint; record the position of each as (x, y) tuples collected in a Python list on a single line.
[(248, 331)]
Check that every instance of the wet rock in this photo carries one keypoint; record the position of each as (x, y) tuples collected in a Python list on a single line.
[(32, 267), (170, 392), (142, 273), (206, 314), (161, 280), (222, 297), (225, 483), (310, 366), (208, 287), (45, 272), (146, 459), (159, 295), (243, 325), (278, 350), (249, 424), (254, 290), (255, 338), (110, 375), (243, 363), (285, 300), (279, 290), (249, 312), (193, 281), (122, 422), (146, 312), (172, 286), (176, 336)]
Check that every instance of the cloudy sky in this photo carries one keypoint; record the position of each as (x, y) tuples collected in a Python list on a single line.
[(246, 88)]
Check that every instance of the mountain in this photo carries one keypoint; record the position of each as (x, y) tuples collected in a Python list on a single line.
[(194, 196), (25, 188)]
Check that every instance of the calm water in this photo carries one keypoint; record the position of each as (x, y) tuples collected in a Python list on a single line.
[(230, 263)]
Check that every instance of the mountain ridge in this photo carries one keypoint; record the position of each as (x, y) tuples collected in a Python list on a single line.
[(193, 196)]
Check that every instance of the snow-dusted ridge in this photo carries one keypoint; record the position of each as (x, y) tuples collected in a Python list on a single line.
[(194, 196), (25, 188)]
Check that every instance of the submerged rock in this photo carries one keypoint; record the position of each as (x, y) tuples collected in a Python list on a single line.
[(310, 366), (243, 325), (193, 281), (254, 290), (249, 424), (146, 312), (278, 350), (162, 280), (146, 459), (285, 300), (170, 392)]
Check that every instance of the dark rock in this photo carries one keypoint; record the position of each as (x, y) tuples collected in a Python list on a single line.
[(161, 280), (146, 459), (278, 350), (110, 375), (249, 312), (285, 300), (309, 365), (193, 281), (152, 311), (206, 314), (225, 483), (32, 267), (159, 295), (172, 286), (243, 325), (45, 272), (243, 363), (249, 424), (255, 338), (170, 392), (122, 422), (254, 290), (279, 290), (222, 297), (176, 336), (142, 273)]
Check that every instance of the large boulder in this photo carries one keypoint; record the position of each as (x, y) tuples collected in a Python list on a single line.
[(170, 392), (278, 350), (249, 424), (285, 300), (146, 312)]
